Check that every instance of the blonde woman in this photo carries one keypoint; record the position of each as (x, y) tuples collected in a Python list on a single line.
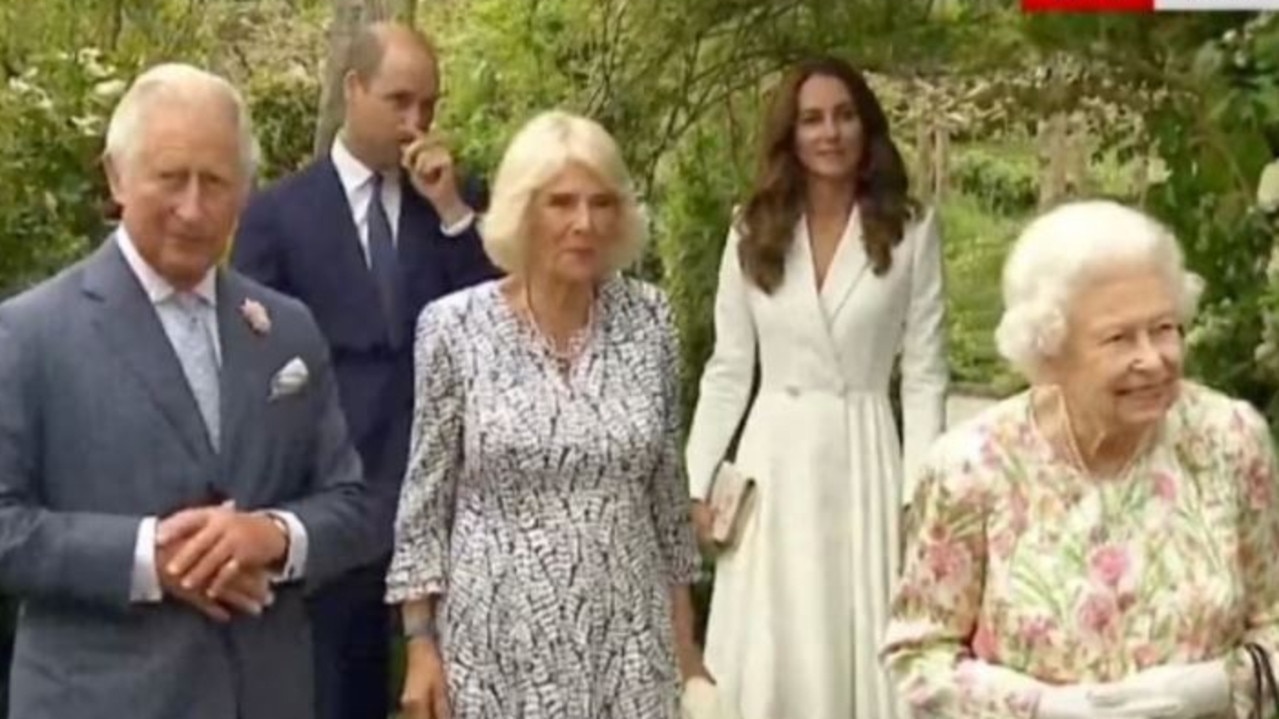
[(543, 546)]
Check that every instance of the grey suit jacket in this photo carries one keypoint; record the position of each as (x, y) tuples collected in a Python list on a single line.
[(98, 428)]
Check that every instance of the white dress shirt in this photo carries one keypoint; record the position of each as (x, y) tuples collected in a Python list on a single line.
[(357, 183), (145, 583)]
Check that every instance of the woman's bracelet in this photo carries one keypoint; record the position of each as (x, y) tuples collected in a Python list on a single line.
[(421, 628)]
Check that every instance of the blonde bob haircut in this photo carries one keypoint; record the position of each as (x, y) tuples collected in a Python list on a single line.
[(1059, 253), (540, 151)]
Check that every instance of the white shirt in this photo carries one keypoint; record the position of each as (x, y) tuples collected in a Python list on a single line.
[(145, 583), (162, 294), (357, 183)]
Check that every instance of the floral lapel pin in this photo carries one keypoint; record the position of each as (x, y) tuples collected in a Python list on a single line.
[(256, 315)]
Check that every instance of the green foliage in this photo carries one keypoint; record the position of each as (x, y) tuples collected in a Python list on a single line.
[(695, 214), (975, 244), (1004, 179), (55, 106), (283, 108), (54, 114), (1214, 132)]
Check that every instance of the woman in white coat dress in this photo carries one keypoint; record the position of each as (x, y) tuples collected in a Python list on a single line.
[(830, 272)]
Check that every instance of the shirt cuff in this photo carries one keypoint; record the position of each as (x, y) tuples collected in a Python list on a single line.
[(144, 586), (295, 561), (462, 225)]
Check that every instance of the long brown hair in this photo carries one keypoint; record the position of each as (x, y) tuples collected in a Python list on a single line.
[(767, 221)]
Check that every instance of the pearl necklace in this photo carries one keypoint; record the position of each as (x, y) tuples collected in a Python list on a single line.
[(1077, 457), (577, 341)]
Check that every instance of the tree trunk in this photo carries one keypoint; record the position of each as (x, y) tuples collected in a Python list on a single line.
[(407, 12), (940, 163), (1078, 178), (924, 160), (348, 17), (1141, 178), (115, 26), (1052, 140), (932, 161)]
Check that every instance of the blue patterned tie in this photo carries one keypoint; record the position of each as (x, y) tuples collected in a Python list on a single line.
[(199, 359), (384, 263)]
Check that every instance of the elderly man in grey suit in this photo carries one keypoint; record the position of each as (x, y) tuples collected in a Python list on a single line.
[(174, 467)]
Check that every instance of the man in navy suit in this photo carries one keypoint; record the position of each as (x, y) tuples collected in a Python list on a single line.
[(365, 243)]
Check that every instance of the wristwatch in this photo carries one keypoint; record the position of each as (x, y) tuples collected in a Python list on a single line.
[(421, 628)]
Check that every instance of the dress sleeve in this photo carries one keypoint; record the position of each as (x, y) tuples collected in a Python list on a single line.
[(1254, 465), (671, 505), (424, 518), (727, 379), (935, 609), (923, 365)]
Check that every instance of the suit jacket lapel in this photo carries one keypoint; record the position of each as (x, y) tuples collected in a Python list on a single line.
[(847, 268), (334, 214), (124, 316), (242, 377), (350, 262)]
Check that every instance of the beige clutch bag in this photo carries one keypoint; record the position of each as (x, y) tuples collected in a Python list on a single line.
[(732, 502), (700, 700)]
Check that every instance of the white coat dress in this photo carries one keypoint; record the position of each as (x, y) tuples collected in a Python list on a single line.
[(800, 606)]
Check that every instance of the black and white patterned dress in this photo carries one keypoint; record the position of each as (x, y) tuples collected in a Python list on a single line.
[(549, 509)]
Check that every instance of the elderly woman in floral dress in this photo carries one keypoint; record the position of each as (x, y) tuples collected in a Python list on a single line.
[(1105, 544)]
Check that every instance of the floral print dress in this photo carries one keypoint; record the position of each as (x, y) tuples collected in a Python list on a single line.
[(1022, 570)]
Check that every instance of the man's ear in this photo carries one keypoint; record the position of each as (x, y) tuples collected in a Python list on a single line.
[(115, 178), (350, 84)]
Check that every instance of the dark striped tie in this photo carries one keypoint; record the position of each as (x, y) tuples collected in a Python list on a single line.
[(385, 265)]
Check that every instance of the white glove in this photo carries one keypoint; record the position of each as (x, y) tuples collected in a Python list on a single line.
[(1202, 690), (1104, 701), (701, 700)]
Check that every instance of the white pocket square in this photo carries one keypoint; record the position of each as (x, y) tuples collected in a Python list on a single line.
[(291, 378)]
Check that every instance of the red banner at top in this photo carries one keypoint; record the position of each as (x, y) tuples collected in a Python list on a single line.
[(1087, 5)]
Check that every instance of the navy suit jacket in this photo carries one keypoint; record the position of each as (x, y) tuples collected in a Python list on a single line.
[(298, 236)]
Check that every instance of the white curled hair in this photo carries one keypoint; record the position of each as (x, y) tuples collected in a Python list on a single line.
[(1060, 251), (181, 83)]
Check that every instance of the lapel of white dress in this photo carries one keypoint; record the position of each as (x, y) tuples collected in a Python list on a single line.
[(801, 285), (847, 268)]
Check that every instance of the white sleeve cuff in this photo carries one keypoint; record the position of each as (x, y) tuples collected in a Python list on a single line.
[(295, 562), (457, 228), (144, 586)]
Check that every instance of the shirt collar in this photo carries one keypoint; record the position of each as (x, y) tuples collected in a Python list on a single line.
[(353, 173), (157, 288)]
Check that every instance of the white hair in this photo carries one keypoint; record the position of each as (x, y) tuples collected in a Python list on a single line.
[(1062, 250), (541, 150), (181, 83)]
